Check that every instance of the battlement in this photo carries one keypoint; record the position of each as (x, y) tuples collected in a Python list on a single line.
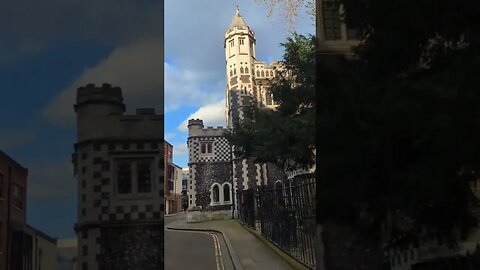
[(141, 115), (265, 65), (102, 94), (195, 122), (196, 129), (218, 128)]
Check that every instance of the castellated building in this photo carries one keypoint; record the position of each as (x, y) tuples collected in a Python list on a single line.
[(216, 176), (118, 162)]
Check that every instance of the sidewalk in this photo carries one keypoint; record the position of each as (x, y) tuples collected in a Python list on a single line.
[(247, 251)]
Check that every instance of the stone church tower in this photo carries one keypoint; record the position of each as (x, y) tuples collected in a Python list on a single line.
[(118, 163)]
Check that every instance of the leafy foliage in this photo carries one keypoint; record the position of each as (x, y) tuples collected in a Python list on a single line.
[(285, 136), (400, 125)]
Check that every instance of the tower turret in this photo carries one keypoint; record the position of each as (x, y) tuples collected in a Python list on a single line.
[(95, 107), (240, 57), (195, 127)]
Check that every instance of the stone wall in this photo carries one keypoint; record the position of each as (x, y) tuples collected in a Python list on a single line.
[(132, 247), (202, 216), (274, 173), (206, 174)]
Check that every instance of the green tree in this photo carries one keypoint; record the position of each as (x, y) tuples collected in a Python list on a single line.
[(285, 136), (399, 127)]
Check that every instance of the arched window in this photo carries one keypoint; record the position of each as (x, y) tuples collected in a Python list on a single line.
[(258, 73), (269, 98), (271, 73), (263, 74), (278, 185), (231, 73), (226, 193), (234, 71), (241, 70), (246, 70), (215, 194)]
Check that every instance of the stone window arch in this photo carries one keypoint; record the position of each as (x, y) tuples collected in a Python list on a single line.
[(278, 185), (215, 194), (271, 73), (258, 73), (263, 74), (231, 72), (269, 98), (241, 70), (234, 71), (246, 70), (227, 193)]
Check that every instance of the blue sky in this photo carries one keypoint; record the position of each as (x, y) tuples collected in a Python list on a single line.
[(49, 48), (195, 59)]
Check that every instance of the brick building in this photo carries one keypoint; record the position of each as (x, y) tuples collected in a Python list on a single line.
[(13, 203), (118, 162), (22, 247)]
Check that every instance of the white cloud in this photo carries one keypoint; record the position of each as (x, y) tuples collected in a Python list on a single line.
[(169, 136), (211, 114), (187, 87), (180, 149), (136, 68)]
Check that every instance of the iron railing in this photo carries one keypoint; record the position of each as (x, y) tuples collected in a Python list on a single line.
[(287, 217), (247, 201)]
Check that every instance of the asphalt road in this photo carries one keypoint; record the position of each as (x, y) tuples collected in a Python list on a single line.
[(186, 250)]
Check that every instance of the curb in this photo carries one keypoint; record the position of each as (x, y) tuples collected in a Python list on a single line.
[(231, 251), (285, 256), (174, 214)]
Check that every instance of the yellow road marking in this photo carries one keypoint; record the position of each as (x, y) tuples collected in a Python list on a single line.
[(218, 252), (216, 243)]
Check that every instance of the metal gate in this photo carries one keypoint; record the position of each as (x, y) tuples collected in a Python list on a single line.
[(247, 207), (287, 217)]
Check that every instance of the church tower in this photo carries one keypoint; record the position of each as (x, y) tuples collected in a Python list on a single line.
[(240, 57)]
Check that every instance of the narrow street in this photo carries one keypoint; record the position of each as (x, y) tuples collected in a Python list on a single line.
[(186, 250)]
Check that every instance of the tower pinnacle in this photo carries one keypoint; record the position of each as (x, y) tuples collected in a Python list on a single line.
[(237, 20)]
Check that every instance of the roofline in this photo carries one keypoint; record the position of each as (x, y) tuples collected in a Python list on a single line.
[(176, 165), (42, 234), (11, 160)]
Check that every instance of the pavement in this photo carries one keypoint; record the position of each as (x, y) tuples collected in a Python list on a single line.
[(241, 248), (187, 249)]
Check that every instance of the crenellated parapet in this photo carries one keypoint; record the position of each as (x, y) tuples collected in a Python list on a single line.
[(197, 129), (142, 115), (105, 94), (100, 115)]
